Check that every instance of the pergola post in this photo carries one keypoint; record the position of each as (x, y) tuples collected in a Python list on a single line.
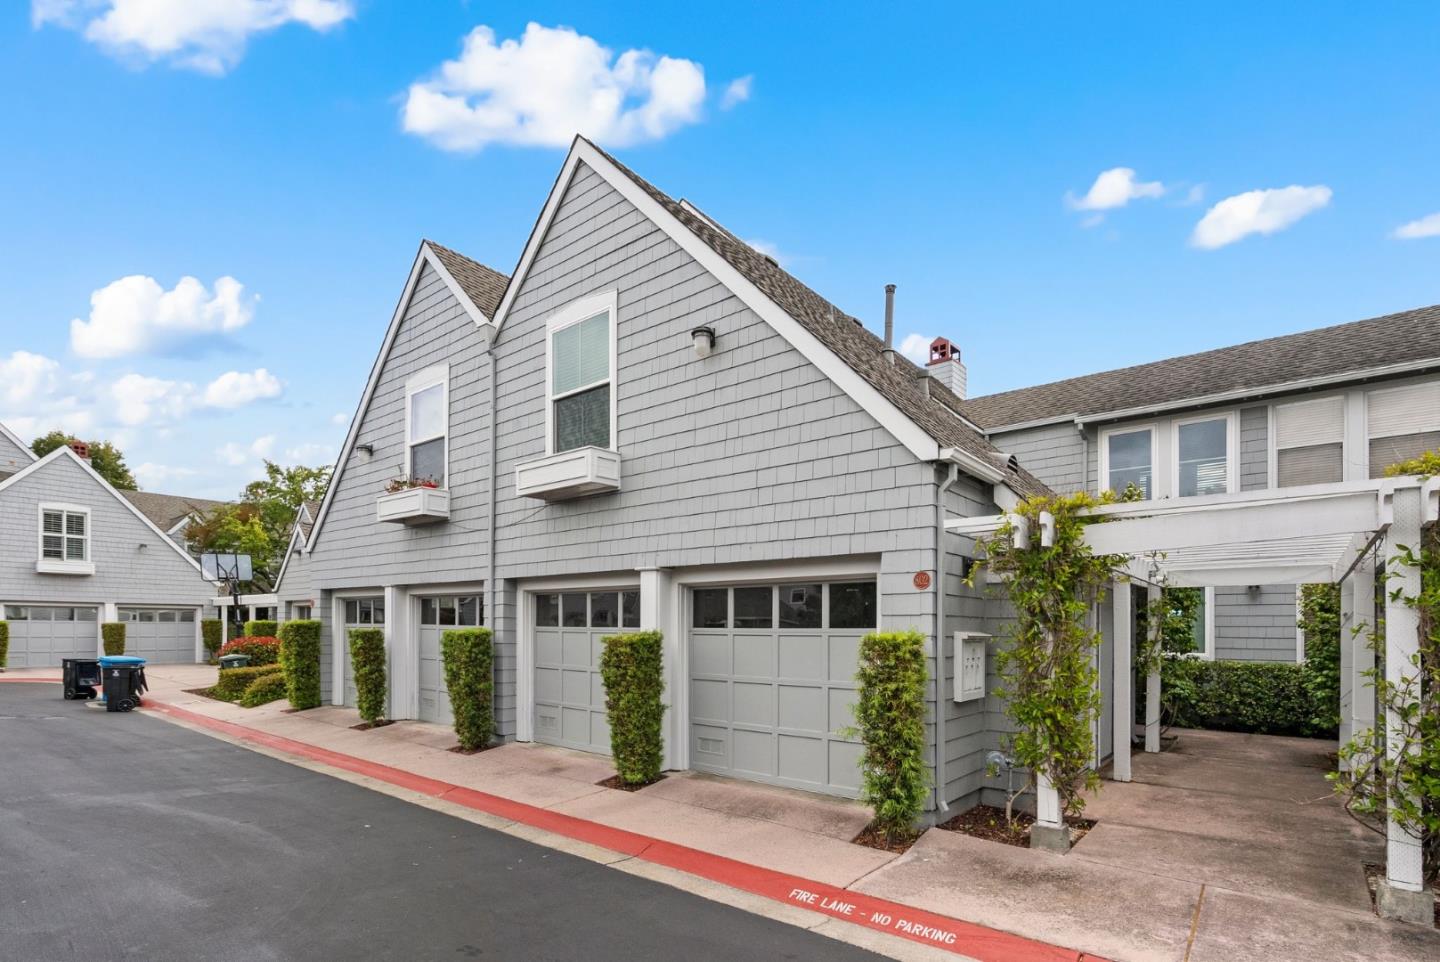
[(1123, 714), (1401, 894), (1361, 588), (1152, 686), (1348, 643), (1049, 831)]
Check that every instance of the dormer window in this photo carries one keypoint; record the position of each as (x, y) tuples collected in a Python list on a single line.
[(64, 537), (427, 425), (580, 376)]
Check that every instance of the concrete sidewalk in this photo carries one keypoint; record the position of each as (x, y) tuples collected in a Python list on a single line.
[(1092, 901)]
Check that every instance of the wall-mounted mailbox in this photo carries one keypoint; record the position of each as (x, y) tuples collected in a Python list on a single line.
[(970, 665)]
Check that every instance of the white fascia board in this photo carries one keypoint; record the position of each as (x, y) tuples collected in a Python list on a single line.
[(907, 432), (13, 439), (65, 451), (289, 551)]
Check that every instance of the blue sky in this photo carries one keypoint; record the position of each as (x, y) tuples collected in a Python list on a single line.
[(261, 148)]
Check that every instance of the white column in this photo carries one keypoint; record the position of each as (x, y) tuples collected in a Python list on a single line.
[(338, 643), (1047, 803), (1362, 655), (657, 594), (1152, 687), (1123, 713), (402, 655), (1404, 859), (1348, 643), (199, 636)]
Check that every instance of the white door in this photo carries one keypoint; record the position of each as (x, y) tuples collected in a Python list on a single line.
[(359, 613), (160, 635), (438, 615), (569, 695), (41, 635)]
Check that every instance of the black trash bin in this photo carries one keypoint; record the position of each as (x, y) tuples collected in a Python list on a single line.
[(124, 681), (79, 677)]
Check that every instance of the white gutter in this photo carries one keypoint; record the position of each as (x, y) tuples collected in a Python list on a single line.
[(972, 465)]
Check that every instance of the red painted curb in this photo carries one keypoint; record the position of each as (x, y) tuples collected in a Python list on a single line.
[(917, 925)]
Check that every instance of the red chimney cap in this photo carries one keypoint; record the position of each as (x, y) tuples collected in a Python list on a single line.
[(942, 350), (80, 448)]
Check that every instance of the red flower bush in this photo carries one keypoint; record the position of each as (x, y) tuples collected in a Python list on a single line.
[(262, 650)]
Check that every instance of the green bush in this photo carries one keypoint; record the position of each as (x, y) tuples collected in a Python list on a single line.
[(4, 643), (112, 637), (631, 666), (367, 655), (264, 689), (262, 629), (1267, 698), (300, 659), (233, 681), (210, 632), (1320, 620), (262, 651), (470, 680), (890, 721)]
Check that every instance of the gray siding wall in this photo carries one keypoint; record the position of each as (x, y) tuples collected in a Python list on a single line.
[(1255, 626), (299, 582), (1254, 449), (12, 458), (1053, 453), (125, 572)]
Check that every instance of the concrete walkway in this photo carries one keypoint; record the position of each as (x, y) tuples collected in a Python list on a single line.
[(1227, 848)]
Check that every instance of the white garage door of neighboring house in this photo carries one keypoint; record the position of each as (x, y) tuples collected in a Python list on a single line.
[(438, 615), (772, 682), (569, 695), (359, 613), (40, 636), (160, 635)]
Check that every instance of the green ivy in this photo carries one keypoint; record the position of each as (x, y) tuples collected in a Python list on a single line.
[(300, 659), (890, 722), (112, 637), (1320, 620), (262, 629), (4, 644), (367, 655), (470, 680), (210, 634), (263, 690), (1264, 697), (632, 668)]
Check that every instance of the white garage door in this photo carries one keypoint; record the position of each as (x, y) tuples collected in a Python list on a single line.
[(160, 635), (41, 635), (359, 613), (569, 695), (772, 682), (438, 615)]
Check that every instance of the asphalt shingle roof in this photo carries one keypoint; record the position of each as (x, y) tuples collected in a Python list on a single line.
[(483, 285), (1409, 336), (167, 510)]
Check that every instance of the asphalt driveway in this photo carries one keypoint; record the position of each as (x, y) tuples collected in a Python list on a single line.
[(125, 837)]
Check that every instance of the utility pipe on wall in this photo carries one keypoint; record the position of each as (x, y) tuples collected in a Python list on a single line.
[(940, 687)]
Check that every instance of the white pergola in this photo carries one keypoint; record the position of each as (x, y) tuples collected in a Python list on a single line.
[(248, 604), (1336, 533)]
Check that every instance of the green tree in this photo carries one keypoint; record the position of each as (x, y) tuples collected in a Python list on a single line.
[(259, 523), (277, 497), (105, 458)]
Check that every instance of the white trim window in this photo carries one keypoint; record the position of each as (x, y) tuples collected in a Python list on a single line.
[(1401, 423), (427, 425), (580, 362), (1204, 460), (64, 539), (1309, 442), (1127, 456)]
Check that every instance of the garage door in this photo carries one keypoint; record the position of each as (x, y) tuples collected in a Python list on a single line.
[(569, 695), (359, 613), (160, 635), (438, 615), (772, 682), (42, 635)]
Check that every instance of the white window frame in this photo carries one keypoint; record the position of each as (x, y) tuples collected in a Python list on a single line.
[(1347, 436), (438, 374), (62, 565), (1103, 480), (1232, 448), (1208, 652), (569, 315), (1365, 434)]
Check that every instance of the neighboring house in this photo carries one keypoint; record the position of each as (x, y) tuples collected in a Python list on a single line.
[(74, 553), (172, 513), (14, 453), (1336, 404), (294, 588)]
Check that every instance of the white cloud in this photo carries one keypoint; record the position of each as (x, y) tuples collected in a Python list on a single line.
[(150, 474), (770, 249), (136, 315), (340, 417), (139, 399), (204, 35), (1257, 212), (737, 92), (1114, 188), (310, 453), (235, 454), (25, 377), (235, 389), (917, 348), (546, 87), (1427, 226)]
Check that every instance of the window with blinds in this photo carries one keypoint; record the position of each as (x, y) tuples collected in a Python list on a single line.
[(580, 384), (1310, 442), (1401, 423), (64, 535)]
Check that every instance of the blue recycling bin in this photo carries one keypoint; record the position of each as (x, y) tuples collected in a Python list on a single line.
[(122, 681)]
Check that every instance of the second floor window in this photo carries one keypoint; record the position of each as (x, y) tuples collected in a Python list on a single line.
[(581, 377), (1310, 442), (64, 534), (1401, 423), (427, 425), (1202, 457), (1129, 459)]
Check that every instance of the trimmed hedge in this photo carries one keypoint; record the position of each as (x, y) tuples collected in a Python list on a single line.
[(631, 666), (233, 681), (300, 659), (262, 651), (890, 720), (262, 629), (264, 689), (210, 632), (112, 637), (469, 678), (4, 643), (367, 655), (1267, 698)]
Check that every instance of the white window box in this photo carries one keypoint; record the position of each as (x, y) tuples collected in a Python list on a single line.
[(54, 566), (570, 474), (414, 506)]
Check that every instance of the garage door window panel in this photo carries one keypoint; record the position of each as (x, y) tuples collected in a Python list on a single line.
[(852, 605), (711, 608)]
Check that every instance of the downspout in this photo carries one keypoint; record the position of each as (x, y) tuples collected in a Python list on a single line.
[(940, 684), (1084, 455), (492, 596)]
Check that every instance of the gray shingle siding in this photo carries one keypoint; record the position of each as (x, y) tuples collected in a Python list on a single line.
[(1052, 453), (1254, 448), (12, 456), (1257, 626)]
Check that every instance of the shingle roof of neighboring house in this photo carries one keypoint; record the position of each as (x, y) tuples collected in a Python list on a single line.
[(1406, 337), (305, 519), (165, 511), (484, 286), (938, 413)]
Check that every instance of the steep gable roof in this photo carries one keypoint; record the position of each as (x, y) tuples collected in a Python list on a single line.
[(484, 286), (168, 510), (1409, 340)]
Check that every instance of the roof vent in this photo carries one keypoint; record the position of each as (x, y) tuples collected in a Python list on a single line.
[(890, 323), (946, 365)]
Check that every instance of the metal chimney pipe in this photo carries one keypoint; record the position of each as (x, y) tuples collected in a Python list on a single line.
[(890, 322)]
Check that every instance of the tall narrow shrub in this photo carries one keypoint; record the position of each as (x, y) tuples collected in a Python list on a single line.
[(4, 644), (1320, 620), (631, 666), (112, 637), (367, 655), (470, 681), (262, 628), (210, 636), (890, 720), (300, 658)]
